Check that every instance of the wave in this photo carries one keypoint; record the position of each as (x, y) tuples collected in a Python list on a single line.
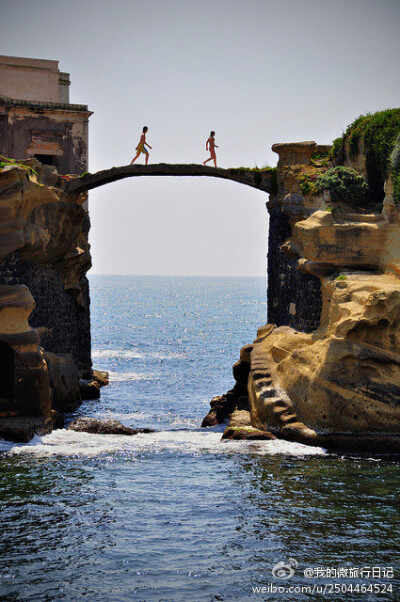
[(119, 377), (135, 354), (71, 443)]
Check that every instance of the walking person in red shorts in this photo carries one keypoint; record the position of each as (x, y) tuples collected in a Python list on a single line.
[(210, 145)]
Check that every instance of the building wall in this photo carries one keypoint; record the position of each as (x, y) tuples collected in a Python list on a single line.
[(62, 135), (33, 79), (36, 119)]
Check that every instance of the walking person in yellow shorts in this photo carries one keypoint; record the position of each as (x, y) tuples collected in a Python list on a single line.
[(141, 147)]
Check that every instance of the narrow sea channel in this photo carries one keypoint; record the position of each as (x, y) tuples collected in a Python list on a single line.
[(176, 515)]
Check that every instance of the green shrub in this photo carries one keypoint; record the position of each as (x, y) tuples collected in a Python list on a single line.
[(395, 167), (307, 184), (344, 184), (378, 130), (337, 150), (395, 156)]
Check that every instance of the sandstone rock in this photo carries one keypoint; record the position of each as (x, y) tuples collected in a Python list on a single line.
[(246, 433), (28, 375), (64, 382), (43, 224), (317, 388), (240, 428), (222, 406), (43, 243), (101, 377), (218, 412), (331, 379), (354, 242), (89, 389), (21, 429), (103, 427)]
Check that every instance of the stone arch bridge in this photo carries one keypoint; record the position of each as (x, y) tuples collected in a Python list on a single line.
[(260, 179)]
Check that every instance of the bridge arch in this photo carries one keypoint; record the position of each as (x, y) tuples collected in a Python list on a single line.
[(179, 226), (260, 179)]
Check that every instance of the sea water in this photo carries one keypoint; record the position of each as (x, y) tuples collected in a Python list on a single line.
[(177, 515)]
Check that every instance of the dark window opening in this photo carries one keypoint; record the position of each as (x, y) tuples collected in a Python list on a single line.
[(376, 181), (47, 159), (6, 371)]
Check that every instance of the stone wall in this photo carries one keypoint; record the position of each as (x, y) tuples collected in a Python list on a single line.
[(63, 323), (294, 298)]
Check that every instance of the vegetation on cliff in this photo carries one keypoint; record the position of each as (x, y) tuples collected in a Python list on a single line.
[(395, 168), (257, 172), (344, 184), (5, 162), (378, 132)]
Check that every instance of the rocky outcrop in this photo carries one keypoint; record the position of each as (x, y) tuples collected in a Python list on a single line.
[(240, 429), (325, 370), (107, 426), (23, 362), (44, 298)]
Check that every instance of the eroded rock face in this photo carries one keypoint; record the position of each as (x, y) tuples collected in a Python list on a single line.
[(344, 379), (28, 391), (43, 224), (326, 370), (44, 300), (337, 386)]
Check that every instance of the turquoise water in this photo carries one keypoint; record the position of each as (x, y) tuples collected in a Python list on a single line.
[(177, 515)]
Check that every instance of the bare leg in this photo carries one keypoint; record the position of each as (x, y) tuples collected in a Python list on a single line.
[(134, 159), (207, 160), (147, 158), (215, 161)]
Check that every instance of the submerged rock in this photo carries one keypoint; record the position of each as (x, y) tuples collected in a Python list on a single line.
[(106, 426)]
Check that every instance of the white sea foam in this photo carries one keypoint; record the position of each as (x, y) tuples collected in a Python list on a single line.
[(71, 443), (119, 377), (135, 354)]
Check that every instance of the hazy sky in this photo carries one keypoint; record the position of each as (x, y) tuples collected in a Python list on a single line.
[(255, 71)]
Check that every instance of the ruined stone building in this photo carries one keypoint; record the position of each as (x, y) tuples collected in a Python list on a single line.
[(36, 117)]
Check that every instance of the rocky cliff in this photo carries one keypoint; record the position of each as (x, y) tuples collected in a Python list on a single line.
[(325, 370), (44, 298)]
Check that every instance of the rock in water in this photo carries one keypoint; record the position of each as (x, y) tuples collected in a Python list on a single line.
[(89, 389), (246, 433), (103, 427)]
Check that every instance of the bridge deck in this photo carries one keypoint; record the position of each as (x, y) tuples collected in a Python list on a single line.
[(256, 179)]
